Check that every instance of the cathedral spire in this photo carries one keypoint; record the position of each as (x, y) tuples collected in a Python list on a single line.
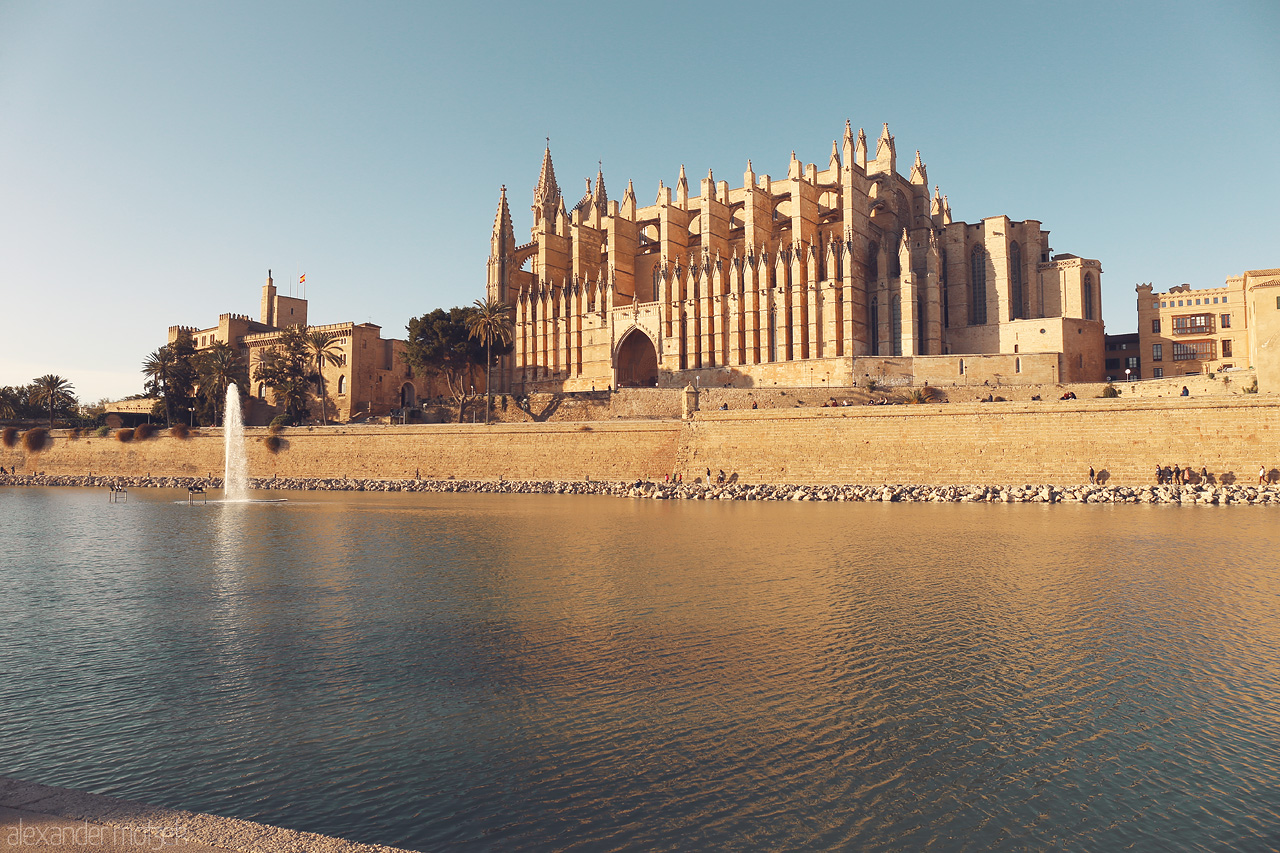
[(886, 155), (600, 197), (502, 228), (918, 173), (628, 208), (546, 196), (860, 153), (682, 190), (834, 162)]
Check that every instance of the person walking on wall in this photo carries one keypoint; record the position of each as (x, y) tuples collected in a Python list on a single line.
[(1093, 477), (1262, 475)]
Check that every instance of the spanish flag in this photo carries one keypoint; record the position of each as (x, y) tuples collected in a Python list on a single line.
[(303, 279)]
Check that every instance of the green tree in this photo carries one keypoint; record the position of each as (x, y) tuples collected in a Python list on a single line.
[(285, 369), (163, 371), (441, 347), (55, 392), (325, 349), (218, 367), (490, 322)]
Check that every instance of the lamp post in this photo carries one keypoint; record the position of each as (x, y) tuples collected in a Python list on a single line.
[(1127, 371)]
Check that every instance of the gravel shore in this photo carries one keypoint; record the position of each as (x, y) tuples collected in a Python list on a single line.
[(650, 490)]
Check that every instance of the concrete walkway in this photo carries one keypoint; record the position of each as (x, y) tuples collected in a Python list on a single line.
[(43, 818)]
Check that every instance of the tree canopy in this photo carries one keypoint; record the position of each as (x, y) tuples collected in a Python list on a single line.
[(286, 369), (441, 346)]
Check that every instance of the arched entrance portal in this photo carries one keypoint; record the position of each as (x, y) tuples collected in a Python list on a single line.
[(408, 396), (636, 363)]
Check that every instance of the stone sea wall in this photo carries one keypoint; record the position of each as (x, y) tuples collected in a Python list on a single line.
[(654, 490), (1224, 438)]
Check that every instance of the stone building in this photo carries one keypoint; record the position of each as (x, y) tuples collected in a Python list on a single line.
[(1184, 332), (371, 378), (827, 275)]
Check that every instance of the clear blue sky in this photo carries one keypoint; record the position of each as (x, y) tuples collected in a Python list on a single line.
[(156, 158)]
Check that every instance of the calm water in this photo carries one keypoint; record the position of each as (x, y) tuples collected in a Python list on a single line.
[(511, 672)]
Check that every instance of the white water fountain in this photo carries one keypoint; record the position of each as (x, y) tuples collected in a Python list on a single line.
[(235, 473)]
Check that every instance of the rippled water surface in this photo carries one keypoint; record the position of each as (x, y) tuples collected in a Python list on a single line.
[(581, 673)]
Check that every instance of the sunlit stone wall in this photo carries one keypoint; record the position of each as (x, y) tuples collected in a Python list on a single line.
[(1049, 441)]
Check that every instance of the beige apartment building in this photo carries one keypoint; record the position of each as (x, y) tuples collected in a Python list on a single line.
[(830, 274), (1183, 332), (371, 378)]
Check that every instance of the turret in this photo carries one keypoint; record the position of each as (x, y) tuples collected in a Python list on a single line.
[(502, 246), (546, 196), (918, 174), (860, 153), (886, 156)]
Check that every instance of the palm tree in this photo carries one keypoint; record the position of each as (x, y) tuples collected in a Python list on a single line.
[(325, 349), (55, 390), (220, 365), (162, 371), (489, 321)]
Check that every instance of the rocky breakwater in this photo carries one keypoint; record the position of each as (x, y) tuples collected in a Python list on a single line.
[(1207, 494)]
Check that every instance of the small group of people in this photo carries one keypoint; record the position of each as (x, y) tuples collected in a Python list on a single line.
[(1069, 395), (1178, 476), (833, 403)]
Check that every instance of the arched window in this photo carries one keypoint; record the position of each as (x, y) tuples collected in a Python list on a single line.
[(1016, 298), (942, 280), (874, 322), (977, 287), (1088, 296), (262, 391), (342, 384), (1017, 365)]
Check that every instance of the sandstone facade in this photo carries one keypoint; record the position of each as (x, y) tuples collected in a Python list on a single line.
[(780, 282), (371, 377), (1186, 332)]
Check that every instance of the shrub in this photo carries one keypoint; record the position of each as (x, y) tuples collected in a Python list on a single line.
[(35, 440), (920, 395), (273, 443), (124, 435), (278, 423), (102, 431), (1252, 389), (143, 431), (179, 431), (9, 436), (1110, 391)]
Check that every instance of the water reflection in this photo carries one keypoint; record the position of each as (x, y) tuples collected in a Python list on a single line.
[(566, 673)]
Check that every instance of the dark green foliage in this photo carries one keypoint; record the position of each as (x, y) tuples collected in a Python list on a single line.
[(55, 394), (278, 423), (286, 370), (441, 346), (102, 431), (273, 443), (1110, 391)]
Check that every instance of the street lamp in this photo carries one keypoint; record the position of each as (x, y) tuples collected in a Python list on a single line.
[(1126, 375)]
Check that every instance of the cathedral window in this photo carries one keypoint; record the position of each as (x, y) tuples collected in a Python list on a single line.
[(942, 279), (875, 325), (342, 384), (1088, 296), (977, 287), (1015, 282)]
